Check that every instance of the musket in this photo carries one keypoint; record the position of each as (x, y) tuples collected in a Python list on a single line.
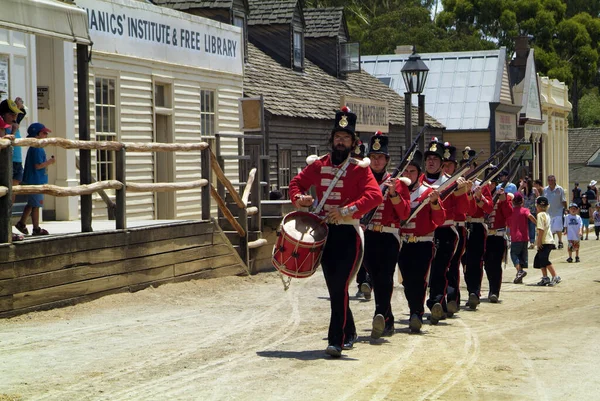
[(446, 185), (408, 156), (448, 191), (504, 162), (511, 177)]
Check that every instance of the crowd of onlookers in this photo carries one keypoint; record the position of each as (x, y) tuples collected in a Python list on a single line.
[(34, 170)]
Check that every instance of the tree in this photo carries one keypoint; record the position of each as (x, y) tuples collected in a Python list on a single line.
[(563, 33)]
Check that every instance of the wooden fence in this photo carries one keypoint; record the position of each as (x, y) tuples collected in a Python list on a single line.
[(209, 164)]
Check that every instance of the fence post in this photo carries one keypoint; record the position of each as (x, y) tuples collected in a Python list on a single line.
[(121, 194), (83, 99), (255, 196), (6, 201), (206, 174), (244, 250)]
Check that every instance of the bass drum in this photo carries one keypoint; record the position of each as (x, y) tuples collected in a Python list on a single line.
[(301, 239)]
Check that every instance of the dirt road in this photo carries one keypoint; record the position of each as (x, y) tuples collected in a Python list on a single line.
[(244, 338)]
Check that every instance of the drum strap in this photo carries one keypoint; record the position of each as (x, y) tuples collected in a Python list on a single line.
[(334, 181)]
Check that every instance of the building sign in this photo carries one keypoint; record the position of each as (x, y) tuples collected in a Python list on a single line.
[(3, 77), (371, 115), (43, 97), (525, 149), (137, 29), (506, 127), (533, 130)]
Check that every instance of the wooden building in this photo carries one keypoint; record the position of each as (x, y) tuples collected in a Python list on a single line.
[(301, 62)]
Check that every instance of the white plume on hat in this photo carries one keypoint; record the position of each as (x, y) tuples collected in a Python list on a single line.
[(593, 182)]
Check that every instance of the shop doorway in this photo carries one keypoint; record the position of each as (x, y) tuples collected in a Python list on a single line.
[(164, 167)]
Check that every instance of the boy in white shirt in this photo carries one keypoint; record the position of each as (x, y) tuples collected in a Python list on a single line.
[(574, 231), (545, 244)]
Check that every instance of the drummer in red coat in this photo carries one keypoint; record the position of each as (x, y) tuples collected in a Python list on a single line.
[(481, 204), (495, 247), (343, 203), (417, 249), (382, 240)]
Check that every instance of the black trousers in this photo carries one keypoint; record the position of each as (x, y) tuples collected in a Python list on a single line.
[(494, 255), (415, 260), (363, 276), (453, 275), (474, 258), (341, 259), (381, 256), (446, 239)]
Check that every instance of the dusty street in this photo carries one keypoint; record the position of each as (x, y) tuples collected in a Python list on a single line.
[(244, 338)]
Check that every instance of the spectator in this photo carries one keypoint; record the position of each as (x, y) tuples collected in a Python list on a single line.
[(584, 213), (576, 198), (530, 194), (35, 174), (509, 187), (591, 194), (573, 230), (557, 204), (518, 224), (3, 127), (9, 112), (597, 221), (545, 244)]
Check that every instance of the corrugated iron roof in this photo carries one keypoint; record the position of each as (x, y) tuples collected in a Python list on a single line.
[(459, 87), (314, 93)]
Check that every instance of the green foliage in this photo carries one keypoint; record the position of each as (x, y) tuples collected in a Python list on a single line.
[(589, 109)]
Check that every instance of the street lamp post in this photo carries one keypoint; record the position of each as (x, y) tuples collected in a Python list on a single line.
[(414, 74)]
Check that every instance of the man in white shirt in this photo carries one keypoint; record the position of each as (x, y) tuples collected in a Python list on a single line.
[(557, 202)]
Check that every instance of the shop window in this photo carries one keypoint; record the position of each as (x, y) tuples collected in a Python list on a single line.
[(349, 57), (162, 95), (298, 50), (207, 113), (239, 20), (284, 162), (106, 123)]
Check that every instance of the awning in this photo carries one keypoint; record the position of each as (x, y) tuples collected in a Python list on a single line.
[(50, 18)]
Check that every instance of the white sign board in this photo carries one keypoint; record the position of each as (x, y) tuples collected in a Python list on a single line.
[(506, 127), (43, 97), (3, 77), (142, 30)]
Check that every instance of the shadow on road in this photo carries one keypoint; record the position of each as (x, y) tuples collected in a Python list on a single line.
[(307, 355)]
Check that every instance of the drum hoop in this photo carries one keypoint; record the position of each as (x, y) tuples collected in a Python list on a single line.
[(294, 273), (303, 244)]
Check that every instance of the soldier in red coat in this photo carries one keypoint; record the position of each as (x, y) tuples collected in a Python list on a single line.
[(446, 236), (346, 190), (495, 247), (460, 221), (382, 239), (481, 204), (417, 249)]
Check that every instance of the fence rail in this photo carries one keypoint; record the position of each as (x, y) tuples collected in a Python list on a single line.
[(121, 186)]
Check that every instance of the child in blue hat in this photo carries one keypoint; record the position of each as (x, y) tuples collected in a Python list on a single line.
[(35, 173)]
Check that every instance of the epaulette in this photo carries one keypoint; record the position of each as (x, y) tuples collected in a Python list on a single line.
[(404, 180), (365, 162), (313, 158)]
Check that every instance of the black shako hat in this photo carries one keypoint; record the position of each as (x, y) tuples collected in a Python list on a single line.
[(417, 160), (467, 153), (379, 144), (436, 148), (449, 152), (360, 150), (489, 171), (345, 120)]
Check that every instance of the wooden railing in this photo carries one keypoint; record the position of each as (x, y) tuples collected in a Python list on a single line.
[(121, 186)]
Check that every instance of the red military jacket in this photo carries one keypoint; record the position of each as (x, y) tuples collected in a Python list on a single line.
[(501, 213), (388, 214), (486, 197), (356, 189), (456, 207), (428, 219)]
